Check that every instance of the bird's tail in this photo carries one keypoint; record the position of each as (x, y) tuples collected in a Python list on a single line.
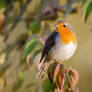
[(42, 71)]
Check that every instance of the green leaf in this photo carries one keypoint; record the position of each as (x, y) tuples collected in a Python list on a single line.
[(31, 45), (87, 9), (84, 1), (47, 86), (35, 26), (21, 77), (2, 3)]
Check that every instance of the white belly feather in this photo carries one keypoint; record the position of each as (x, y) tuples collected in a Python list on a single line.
[(61, 51)]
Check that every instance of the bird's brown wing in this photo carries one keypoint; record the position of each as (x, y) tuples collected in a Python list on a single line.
[(50, 42)]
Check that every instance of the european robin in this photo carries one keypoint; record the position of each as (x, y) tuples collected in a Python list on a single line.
[(60, 45)]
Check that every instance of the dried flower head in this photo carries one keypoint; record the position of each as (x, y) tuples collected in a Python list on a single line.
[(56, 74)]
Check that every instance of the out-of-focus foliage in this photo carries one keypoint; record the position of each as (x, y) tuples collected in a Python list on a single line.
[(48, 86), (34, 16), (87, 9), (19, 81), (35, 27), (32, 44), (2, 3)]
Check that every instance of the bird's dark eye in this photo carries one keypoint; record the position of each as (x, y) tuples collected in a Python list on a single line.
[(64, 25)]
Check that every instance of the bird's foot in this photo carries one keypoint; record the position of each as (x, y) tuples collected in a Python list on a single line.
[(58, 62), (41, 71)]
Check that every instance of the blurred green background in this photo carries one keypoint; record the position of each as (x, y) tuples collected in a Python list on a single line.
[(19, 75)]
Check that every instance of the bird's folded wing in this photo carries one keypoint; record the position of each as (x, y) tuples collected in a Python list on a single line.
[(50, 42)]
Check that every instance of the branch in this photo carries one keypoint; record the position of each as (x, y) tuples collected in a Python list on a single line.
[(18, 18)]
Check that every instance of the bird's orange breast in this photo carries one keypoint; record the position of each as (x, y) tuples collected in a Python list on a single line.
[(67, 36)]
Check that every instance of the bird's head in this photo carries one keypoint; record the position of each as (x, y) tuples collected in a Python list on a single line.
[(66, 32)]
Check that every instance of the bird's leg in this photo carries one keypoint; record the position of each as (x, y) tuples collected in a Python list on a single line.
[(39, 65), (42, 71), (55, 60), (44, 66), (59, 62)]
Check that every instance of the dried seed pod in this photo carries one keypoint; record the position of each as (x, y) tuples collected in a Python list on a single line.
[(56, 74), (51, 70), (71, 79), (60, 77)]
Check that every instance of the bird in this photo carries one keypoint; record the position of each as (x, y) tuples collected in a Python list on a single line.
[(60, 45)]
